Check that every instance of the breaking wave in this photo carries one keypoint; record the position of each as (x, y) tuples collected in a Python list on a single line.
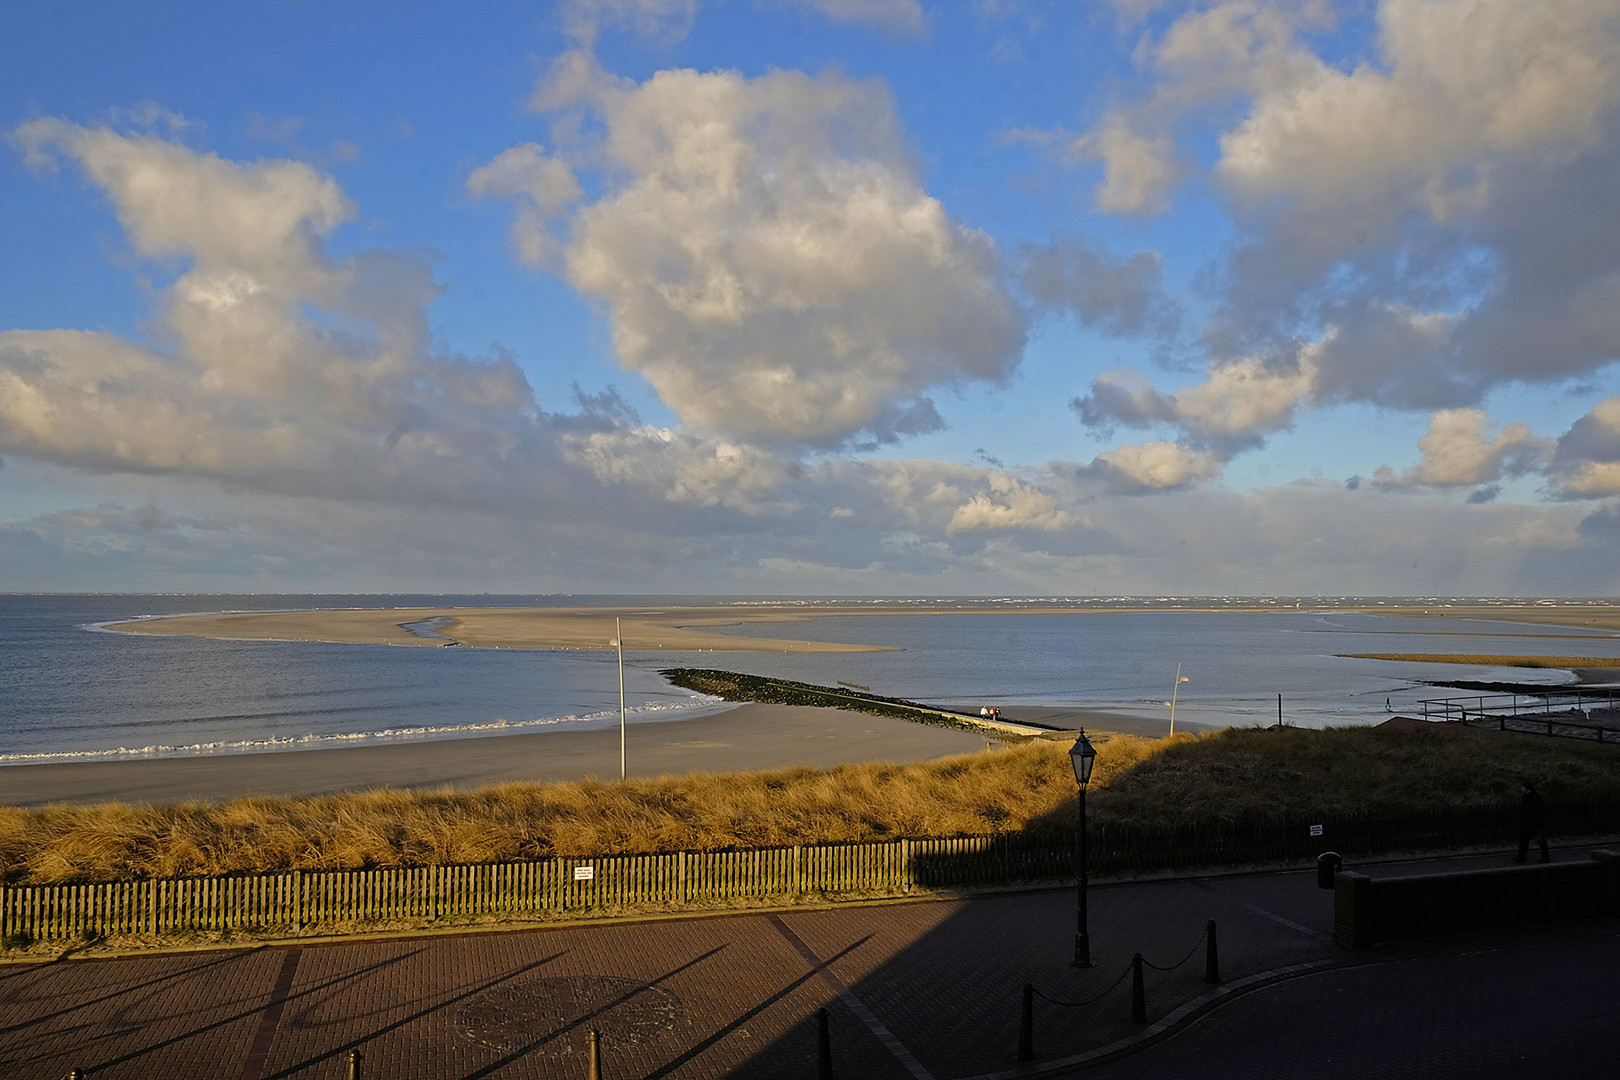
[(647, 713)]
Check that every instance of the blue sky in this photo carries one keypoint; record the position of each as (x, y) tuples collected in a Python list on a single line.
[(812, 296)]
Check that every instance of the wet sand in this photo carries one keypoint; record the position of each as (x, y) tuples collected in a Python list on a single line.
[(751, 736)]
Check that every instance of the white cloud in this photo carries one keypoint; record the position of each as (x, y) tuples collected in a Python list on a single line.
[(544, 186), (1009, 504), (1457, 452), (1154, 466), (262, 221), (1434, 219), (1138, 170), (1238, 404), (285, 370), (1461, 79), (1586, 463), (769, 261), (683, 468)]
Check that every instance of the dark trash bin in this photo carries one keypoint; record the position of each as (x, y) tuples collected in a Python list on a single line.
[(1327, 864)]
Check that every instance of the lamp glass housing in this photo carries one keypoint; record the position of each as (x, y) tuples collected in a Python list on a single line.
[(1082, 755)]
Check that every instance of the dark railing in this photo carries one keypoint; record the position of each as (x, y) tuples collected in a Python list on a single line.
[(1570, 714), (297, 901)]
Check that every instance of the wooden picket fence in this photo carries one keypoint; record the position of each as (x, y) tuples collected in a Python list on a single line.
[(307, 900), (319, 900)]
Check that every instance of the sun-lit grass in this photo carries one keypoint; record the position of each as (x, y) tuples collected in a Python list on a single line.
[(1228, 775)]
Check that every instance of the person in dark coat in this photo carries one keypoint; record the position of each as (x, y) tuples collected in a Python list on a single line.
[(1532, 822)]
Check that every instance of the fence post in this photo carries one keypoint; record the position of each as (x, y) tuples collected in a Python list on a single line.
[(1026, 1025), (298, 900), (1212, 963), (1138, 994)]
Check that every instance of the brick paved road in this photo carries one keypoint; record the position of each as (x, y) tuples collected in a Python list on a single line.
[(1547, 1008), (913, 990)]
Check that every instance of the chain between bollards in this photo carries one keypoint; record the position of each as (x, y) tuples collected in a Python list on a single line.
[(1138, 994), (823, 1047)]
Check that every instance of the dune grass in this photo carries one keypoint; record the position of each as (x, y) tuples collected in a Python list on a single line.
[(1229, 775)]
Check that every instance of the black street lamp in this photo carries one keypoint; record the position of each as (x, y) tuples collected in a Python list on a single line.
[(1082, 755)]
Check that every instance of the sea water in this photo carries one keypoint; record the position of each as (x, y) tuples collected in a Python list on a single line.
[(71, 690)]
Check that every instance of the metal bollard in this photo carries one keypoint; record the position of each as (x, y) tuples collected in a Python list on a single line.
[(1212, 959), (823, 1047), (1138, 995), (1026, 1025), (354, 1064), (76, 1074), (593, 1055)]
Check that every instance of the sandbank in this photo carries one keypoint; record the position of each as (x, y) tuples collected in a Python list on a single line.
[(697, 628)]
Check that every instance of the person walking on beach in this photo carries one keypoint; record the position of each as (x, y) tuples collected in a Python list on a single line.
[(1532, 822)]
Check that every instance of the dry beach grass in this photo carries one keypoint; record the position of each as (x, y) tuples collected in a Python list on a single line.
[(1230, 775)]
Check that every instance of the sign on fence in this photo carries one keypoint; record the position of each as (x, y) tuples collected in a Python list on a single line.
[(584, 873)]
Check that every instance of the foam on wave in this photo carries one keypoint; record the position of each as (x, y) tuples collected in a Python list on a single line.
[(650, 711)]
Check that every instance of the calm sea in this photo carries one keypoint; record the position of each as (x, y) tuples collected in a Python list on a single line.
[(72, 691)]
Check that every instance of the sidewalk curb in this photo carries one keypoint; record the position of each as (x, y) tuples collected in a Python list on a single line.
[(1168, 1025)]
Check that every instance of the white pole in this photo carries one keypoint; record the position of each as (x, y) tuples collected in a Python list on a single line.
[(1175, 692), (618, 639)]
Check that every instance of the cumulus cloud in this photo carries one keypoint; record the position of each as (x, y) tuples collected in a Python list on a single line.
[(1462, 82), (1433, 219), (684, 468), (768, 260), (283, 369), (1009, 504), (1236, 407), (1153, 466), (543, 187), (1586, 462), (1139, 171), (1458, 452)]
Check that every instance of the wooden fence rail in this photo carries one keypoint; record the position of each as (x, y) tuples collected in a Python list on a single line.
[(295, 901)]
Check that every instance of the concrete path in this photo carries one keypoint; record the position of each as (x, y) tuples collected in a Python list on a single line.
[(914, 990)]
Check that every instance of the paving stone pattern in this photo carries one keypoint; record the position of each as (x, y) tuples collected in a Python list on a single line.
[(913, 991)]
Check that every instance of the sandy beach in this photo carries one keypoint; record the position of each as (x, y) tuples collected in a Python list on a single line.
[(751, 736)]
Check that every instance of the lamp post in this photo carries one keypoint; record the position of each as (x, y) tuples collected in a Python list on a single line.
[(1082, 755), (618, 643), (1175, 691)]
